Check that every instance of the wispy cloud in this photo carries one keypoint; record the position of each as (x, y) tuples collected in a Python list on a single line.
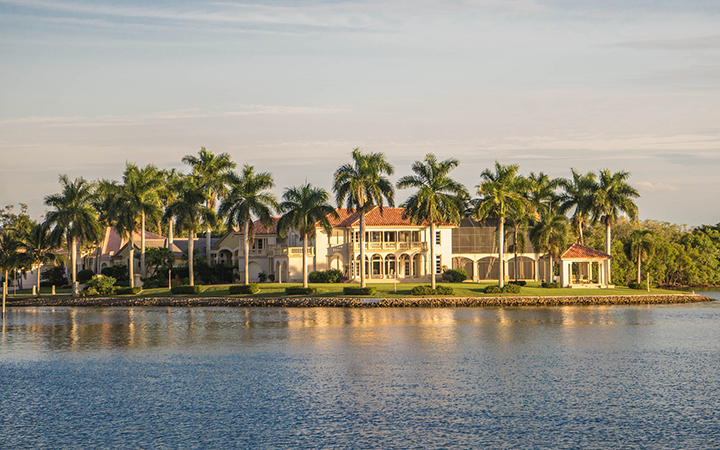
[(683, 44), (656, 187)]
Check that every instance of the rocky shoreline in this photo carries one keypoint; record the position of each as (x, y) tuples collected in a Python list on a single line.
[(346, 302)]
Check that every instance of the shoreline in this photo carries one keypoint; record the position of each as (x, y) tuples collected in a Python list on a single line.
[(358, 302)]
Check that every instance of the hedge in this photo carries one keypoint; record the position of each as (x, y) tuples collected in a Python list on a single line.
[(359, 290), (638, 286), (128, 290), (492, 289), (455, 275), (511, 288), (519, 283), (239, 289), (187, 289), (428, 290), (299, 290), (553, 285), (327, 276)]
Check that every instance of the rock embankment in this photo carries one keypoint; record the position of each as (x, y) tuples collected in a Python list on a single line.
[(344, 302)]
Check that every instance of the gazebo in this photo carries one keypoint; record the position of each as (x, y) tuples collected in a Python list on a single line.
[(584, 267)]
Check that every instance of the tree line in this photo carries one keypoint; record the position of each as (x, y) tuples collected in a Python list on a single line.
[(215, 195)]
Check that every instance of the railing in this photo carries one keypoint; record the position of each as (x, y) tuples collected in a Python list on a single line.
[(391, 246), (297, 251)]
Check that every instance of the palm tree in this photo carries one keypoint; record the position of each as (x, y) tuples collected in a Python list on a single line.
[(361, 186), (74, 217), (141, 186), (38, 248), (613, 197), (439, 198), (549, 236), (8, 259), (190, 215), (501, 193), (168, 193), (302, 208), (214, 174), (248, 198), (641, 246), (578, 196)]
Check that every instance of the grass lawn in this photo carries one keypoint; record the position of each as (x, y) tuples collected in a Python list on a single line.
[(384, 290)]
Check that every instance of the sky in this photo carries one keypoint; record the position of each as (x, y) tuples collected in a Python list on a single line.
[(293, 87)]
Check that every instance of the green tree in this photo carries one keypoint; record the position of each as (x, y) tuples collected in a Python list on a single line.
[(191, 214), (549, 236), (611, 198), (214, 174), (501, 193), (439, 199), (74, 218), (38, 247), (249, 198), (362, 185), (577, 196), (168, 193), (640, 248), (141, 186), (302, 208), (8, 259)]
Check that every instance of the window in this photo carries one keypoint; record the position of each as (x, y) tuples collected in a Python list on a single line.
[(437, 238), (259, 244), (438, 264)]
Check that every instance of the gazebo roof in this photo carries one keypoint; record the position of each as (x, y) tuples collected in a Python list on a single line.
[(577, 251)]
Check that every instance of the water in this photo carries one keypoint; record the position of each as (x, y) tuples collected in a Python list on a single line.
[(566, 377)]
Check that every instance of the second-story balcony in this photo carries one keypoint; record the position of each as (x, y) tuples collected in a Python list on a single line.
[(391, 246)]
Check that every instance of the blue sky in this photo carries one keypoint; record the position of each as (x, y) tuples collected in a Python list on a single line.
[(293, 87)]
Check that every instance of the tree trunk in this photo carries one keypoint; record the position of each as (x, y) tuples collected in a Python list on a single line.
[(247, 252), (608, 245), (552, 270), (208, 243), (73, 262), (501, 251), (516, 260), (638, 264), (305, 249), (580, 229), (170, 234), (432, 255), (4, 293), (191, 259), (362, 249), (143, 269), (131, 261), (37, 281)]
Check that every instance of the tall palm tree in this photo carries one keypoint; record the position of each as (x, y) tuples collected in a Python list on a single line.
[(249, 197), (543, 198), (362, 185), (613, 197), (141, 186), (73, 218), (8, 259), (640, 247), (38, 247), (302, 208), (501, 193), (168, 193), (191, 215), (549, 236), (577, 195), (214, 174), (439, 199)]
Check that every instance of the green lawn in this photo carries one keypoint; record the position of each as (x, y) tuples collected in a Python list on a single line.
[(384, 290)]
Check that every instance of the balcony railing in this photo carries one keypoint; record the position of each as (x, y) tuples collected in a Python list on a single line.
[(391, 246)]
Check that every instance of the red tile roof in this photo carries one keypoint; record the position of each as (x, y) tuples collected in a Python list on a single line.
[(112, 242), (577, 251), (388, 217), (260, 228)]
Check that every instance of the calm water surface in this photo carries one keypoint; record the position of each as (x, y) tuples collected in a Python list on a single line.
[(566, 377)]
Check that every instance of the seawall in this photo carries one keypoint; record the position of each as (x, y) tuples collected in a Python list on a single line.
[(347, 302)]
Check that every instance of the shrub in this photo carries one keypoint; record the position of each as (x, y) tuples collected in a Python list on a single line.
[(239, 289), (519, 283), (333, 275), (299, 290), (511, 288), (90, 292), (638, 286), (55, 276), (455, 275), (151, 283), (422, 290), (492, 289), (553, 285), (84, 275), (128, 290), (444, 290), (187, 289), (119, 272), (101, 284), (317, 277), (353, 290)]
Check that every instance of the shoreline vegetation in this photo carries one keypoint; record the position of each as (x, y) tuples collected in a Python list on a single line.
[(466, 295)]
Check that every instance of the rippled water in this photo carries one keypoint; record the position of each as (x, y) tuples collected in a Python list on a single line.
[(564, 377)]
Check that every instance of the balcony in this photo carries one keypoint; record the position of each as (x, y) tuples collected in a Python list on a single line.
[(391, 246)]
